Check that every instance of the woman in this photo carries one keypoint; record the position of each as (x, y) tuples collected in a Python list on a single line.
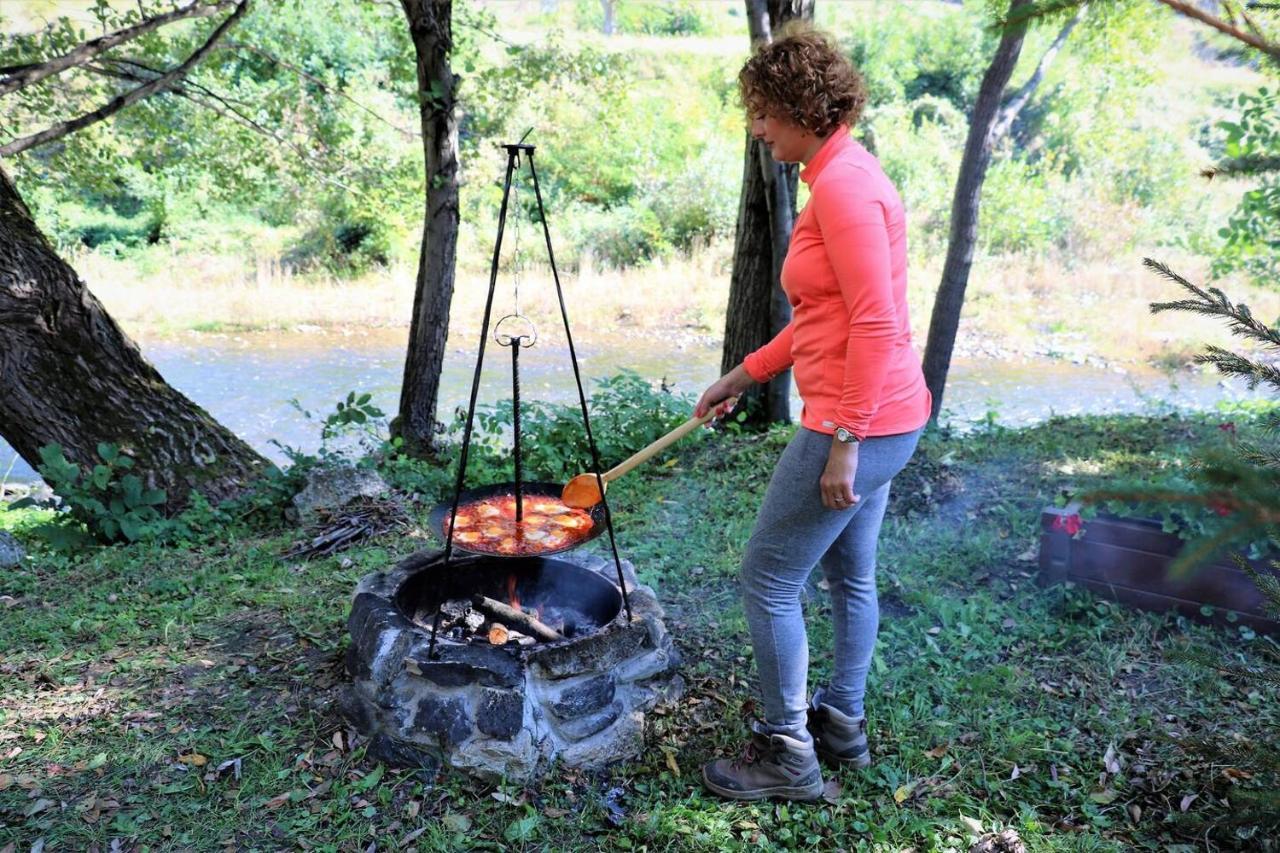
[(865, 404)]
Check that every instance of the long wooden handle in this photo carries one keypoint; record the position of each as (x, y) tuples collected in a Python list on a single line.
[(642, 456)]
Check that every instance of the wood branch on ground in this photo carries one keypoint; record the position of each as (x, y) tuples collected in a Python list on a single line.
[(517, 619), (341, 527)]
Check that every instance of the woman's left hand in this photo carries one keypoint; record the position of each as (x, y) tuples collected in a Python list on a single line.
[(836, 483)]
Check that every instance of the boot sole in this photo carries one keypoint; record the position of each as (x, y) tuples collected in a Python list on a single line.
[(859, 762), (782, 792)]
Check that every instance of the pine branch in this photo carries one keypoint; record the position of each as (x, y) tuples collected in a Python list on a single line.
[(1231, 364), (1268, 583), (1212, 302), (1254, 164), (1263, 457), (22, 76), (118, 103)]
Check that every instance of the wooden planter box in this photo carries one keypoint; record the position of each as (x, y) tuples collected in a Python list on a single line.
[(1127, 560)]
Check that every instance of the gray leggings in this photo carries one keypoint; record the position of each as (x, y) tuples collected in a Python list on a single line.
[(793, 532)]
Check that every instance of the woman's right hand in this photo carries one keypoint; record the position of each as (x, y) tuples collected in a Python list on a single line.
[(732, 384)]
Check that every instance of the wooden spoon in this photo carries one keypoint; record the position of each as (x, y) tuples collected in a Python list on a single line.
[(583, 491)]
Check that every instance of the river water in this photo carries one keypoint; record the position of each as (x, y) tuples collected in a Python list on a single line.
[(246, 381)]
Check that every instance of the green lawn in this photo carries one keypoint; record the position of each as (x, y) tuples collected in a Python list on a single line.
[(181, 698)]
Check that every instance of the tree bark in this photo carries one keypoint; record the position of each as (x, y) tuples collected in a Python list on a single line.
[(964, 207), (70, 376), (757, 308), (607, 7), (431, 28)]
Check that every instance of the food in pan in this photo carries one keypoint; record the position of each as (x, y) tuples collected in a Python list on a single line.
[(489, 526)]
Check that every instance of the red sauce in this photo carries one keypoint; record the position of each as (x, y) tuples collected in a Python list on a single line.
[(489, 526)]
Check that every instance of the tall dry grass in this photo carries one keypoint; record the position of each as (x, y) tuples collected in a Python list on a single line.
[(1021, 305)]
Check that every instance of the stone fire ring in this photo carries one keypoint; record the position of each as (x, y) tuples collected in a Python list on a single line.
[(502, 712)]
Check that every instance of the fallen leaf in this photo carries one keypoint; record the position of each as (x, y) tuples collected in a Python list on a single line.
[(1234, 773), (413, 836), (1109, 760), (6, 780), (937, 752), (1017, 771), (554, 812), (507, 798), (904, 791), (277, 801), (194, 759), (1030, 555), (831, 792), (39, 806), (671, 761), (456, 822), (1135, 812), (974, 825), (935, 630), (1102, 798), (1008, 623), (337, 740), (1187, 801), (234, 764)]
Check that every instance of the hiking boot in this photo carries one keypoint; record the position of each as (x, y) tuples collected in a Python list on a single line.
[(837, 737), (772, 765)]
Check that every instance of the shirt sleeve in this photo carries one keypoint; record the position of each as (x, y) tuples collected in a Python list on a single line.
[(856, 238), (772, 358)]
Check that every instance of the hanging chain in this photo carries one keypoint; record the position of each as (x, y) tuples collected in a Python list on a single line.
[(515, 243)]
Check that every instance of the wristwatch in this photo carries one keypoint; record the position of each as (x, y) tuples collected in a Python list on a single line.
[(845, 437)]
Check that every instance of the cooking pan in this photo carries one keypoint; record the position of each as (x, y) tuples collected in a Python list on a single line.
[(531, 491)]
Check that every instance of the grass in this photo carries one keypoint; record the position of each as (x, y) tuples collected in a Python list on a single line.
[(181, 698)]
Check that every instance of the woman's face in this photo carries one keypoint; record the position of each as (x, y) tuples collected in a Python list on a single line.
[(788, 143)]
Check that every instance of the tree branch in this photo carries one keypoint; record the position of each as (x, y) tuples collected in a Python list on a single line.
[(1013, 106), (1190, 10), (113, 106), (234, 45), (24, 75)]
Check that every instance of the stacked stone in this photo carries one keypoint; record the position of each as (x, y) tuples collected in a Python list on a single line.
[(499, 711)]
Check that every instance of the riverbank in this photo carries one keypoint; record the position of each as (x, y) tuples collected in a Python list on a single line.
[(182, 696), (1016, 306)]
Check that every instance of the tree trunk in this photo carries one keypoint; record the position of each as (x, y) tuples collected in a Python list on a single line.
[(70, 376), (757, 308), (607, 26), (964, 208), (431, 28)]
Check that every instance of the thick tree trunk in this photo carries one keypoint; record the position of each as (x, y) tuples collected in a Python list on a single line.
[(964, 209), (431, 28), (757, 308), (70, 376)]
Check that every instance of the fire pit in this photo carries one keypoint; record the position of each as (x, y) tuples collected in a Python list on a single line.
[(503, 660), (506, 709)]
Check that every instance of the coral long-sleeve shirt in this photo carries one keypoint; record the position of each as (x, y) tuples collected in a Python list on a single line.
[(845, 275)]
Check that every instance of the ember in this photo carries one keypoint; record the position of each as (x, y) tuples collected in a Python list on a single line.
[(489, 526)]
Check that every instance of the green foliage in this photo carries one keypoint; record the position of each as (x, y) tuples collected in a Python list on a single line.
[(1252, 146), (107, 504), (647, 17), (627, 413)]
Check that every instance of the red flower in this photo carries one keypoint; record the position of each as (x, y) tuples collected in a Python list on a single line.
[(1069, 524), (1228, 427), (1223, 508)]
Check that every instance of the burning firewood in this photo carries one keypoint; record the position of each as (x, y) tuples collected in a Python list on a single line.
[(513, 618)]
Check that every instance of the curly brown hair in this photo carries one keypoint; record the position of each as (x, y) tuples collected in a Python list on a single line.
[(802, 77)]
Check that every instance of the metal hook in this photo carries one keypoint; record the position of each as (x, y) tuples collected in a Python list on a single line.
[(506, 340)]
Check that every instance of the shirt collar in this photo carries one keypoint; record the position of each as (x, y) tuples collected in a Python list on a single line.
[(838, 141)]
